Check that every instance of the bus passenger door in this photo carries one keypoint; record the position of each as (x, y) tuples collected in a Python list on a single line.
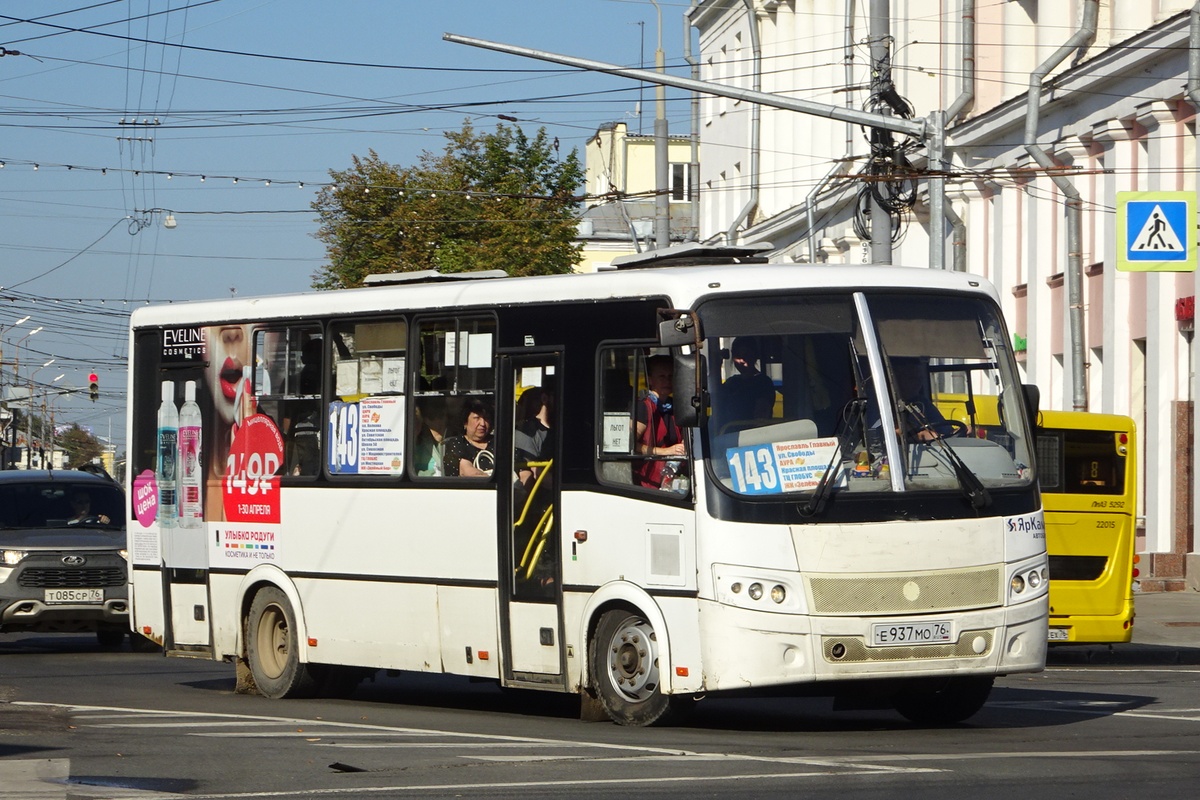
[(530, 562)]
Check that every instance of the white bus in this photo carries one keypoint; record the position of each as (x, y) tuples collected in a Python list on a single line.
[(440, 475)]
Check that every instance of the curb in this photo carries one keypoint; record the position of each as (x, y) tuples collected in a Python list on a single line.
[(1121, 654)]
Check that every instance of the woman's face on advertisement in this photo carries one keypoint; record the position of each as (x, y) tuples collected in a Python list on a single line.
[(228, 353)]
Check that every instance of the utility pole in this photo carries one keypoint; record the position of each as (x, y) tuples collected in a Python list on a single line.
[(879, 37), (662, 164)]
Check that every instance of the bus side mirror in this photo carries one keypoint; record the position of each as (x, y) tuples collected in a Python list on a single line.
[(687, 386), (1033, 400), (678, 327)]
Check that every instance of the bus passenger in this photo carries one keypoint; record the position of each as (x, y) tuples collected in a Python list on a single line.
[(749, 394), (657, 434), (533, 438), (471, 455), (430, 417)]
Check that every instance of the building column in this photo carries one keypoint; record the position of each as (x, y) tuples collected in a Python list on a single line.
[(1114, 137), (1160, 463)]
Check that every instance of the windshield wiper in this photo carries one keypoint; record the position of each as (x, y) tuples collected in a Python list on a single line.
[(851, 422), (972, 488)]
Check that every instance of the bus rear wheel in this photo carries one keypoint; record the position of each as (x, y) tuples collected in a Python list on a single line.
[(952, 702), (272, 648), (624, 667)]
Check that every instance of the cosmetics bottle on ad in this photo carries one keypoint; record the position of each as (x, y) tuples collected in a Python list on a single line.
[(168, 457), (191, 490)]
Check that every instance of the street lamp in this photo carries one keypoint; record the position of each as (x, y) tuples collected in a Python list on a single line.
[(17, 375), (3, 330), (29, 413)]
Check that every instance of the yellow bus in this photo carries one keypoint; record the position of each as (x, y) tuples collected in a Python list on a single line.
[(1087, 469)]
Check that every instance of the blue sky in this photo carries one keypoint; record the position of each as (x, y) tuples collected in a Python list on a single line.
[(88, 175)]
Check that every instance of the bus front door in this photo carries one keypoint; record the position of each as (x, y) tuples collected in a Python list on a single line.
[(531, 567)]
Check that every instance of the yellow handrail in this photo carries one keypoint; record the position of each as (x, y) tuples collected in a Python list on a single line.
[(537, 539), (543, 468), (540, 534)]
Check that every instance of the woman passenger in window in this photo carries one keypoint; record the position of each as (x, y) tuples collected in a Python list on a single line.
[(657, 434), (471, 455)]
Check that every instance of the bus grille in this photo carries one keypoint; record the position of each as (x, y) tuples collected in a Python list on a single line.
[(856, 649), (1077, 568), (44, 578), (907, 593)]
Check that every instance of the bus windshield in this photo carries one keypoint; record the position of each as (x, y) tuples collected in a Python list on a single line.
[(885, 392)]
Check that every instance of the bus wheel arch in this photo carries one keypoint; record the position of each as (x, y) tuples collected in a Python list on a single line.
[(273, 639), (628, 672)]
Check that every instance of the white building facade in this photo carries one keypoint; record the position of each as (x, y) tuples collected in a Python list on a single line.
[(1114, 115)]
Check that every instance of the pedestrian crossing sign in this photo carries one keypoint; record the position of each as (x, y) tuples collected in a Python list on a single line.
[(1156, 231)]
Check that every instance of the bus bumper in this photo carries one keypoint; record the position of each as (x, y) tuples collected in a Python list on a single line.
[(749, 649)]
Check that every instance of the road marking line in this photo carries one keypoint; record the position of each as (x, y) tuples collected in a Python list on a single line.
[(316, 725), (468, 787), (1017, 754)]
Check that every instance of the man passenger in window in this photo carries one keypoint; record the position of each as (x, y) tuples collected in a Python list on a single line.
[(749, 394), (657, 434), (470, 455)]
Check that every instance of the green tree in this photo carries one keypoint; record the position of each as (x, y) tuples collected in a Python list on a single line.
[(80, 446), (497, 200)]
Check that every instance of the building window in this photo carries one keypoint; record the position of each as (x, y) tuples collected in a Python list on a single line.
[(681, 183)]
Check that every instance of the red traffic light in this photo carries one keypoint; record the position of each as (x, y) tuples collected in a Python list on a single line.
[(93, 378), (93, 387)]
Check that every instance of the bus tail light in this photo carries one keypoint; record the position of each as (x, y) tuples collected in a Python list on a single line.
[(1136, 560)]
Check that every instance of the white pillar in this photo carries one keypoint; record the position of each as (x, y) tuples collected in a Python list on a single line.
[(1161, 343)]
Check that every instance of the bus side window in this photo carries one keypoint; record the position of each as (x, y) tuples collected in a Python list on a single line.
[(368, 369), (287, 384), (637, 429), (453, 413)]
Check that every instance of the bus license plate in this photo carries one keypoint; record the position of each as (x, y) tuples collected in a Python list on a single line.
[(892, 634), (1060, 635), (74, 596)]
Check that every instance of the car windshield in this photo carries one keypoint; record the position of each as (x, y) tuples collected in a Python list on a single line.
[(59, 504), (886, 392)]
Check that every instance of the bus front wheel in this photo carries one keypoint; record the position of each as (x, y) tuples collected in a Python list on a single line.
[(272, 648), (952, 702), (624, 666)]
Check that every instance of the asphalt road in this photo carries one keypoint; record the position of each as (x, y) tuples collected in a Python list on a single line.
[(78, 722)]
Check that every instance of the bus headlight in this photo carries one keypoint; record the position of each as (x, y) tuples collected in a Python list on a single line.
[(1018, 584), (1035, 579), (755, 591), (778, 593)]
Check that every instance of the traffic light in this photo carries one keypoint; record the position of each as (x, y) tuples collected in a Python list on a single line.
[(93, 387)]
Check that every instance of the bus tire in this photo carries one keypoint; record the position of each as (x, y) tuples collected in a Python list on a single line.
[(624, 667), (954, 701), (272, 648)]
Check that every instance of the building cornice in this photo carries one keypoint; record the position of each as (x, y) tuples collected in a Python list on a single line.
[(1168, 40)]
